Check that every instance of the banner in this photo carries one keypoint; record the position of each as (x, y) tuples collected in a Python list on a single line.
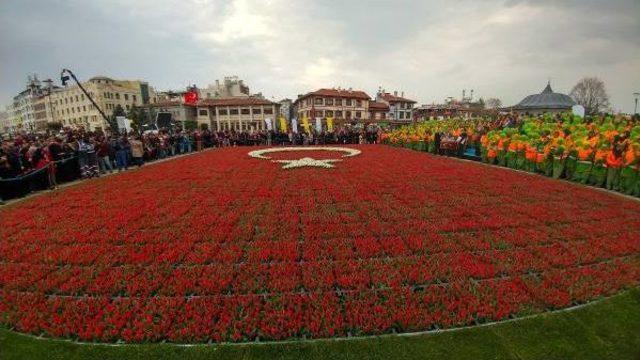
[(330, 124), (268, 123), (124, 124), (305, 125), (319, 124), (283, 124), (294, 125)]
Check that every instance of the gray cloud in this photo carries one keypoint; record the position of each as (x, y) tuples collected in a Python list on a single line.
[(429, 49)]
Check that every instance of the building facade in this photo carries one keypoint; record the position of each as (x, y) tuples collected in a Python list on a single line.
[(29, 110), (400, 108), (231, 86), (179, 111), (344, 106), (378, 111), (5, 123), (236, 113), (70, 107)]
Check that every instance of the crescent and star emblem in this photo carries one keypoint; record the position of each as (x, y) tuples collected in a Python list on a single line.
[(305, 161)]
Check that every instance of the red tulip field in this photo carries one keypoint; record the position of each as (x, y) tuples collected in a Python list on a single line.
[(221, 246)]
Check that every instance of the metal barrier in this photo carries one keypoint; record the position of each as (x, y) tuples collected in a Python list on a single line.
[(66, 170)]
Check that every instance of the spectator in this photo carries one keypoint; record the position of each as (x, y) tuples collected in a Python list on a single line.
[(137, 151)]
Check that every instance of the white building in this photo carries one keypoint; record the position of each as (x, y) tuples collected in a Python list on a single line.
[(28, 110), (231, 86), (400, 108)]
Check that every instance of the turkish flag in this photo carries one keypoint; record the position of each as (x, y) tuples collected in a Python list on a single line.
[(191, 97)]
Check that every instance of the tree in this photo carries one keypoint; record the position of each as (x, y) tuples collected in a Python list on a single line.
[(118, 111), (493, 103), (190, 125), (591, 93), (137, 117)]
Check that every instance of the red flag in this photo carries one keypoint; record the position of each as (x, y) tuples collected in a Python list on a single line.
[(191, 97)]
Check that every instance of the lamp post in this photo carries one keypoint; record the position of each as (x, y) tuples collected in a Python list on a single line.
[(636, 95)]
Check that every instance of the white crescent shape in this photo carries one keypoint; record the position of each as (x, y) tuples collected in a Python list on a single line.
[(260, 154)]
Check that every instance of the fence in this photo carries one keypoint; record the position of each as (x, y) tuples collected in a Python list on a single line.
[(66, 170)]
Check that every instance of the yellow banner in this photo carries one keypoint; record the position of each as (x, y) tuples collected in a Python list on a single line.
[(330, 124), (305, 125), (283, 124)]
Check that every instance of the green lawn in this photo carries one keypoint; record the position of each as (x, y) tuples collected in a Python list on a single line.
[(606, 330)]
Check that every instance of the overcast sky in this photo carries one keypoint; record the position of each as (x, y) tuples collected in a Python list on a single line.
[(428, 49)]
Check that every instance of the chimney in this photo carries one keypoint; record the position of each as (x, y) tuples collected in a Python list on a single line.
[(463, 94), (395, 93), (402, 94), (471, 95)]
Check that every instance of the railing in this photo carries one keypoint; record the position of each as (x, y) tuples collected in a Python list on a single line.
[(66, 170)]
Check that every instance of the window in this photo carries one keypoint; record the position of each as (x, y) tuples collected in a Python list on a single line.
[(126, 96), (117, 96), (348, 114), (66, 101), (319, 113), (201, 112), (82, 97), (134, 98), (400, 115), (222, 111), (84, 108), (73, 110), (245, 111), (328, 101), (127, 106), (358, 103), (347, 102), (257, 111), (339, 114), (383, 116), (318, 101), (77, 98), (358, 114), (233, 111), (268, 111), (338, 102), (328, 113)]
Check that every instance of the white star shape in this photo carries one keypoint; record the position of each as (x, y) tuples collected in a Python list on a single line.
[(307, 161)]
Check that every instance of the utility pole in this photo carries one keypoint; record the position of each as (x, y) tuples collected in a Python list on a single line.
[(64, 78)]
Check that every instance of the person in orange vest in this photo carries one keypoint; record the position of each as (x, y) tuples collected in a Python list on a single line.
[(614, 162)]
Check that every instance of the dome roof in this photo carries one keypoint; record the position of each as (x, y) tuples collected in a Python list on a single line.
[(547, 99)]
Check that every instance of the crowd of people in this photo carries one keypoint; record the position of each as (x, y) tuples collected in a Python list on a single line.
[(450, 137), (599, 150), (96, 153)]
